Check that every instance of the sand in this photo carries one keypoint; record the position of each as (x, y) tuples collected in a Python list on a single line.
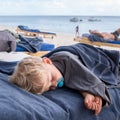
[(59, 40)]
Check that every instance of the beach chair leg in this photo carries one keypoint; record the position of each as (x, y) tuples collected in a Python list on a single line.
[(25, 33), (17, 31), (37, 35)]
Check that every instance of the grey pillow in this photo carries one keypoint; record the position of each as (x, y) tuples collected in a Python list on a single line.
[(7, 41)]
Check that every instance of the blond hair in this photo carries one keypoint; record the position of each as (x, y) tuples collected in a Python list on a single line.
[(28, 74)]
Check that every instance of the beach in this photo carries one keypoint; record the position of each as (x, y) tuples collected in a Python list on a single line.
[(61, 25), (59, 40)]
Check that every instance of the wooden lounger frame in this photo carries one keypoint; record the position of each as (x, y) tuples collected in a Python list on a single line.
[(99, 44), (27, 33)]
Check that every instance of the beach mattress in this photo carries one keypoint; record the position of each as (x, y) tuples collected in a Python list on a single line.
[(43, 47)]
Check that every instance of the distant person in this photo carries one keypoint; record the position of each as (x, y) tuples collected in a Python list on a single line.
[(113, 35), (77, 31)]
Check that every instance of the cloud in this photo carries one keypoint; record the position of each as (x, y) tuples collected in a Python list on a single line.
[(60, 7), (59, 4)]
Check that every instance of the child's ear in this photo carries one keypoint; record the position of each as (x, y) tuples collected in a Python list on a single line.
[(47, 60)]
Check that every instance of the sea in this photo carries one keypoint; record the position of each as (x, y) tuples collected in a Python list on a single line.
[(62, 24)]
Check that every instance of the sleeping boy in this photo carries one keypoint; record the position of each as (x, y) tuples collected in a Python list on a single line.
[(38, 75)]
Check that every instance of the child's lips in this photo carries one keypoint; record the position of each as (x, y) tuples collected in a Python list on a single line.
[(53, 88)]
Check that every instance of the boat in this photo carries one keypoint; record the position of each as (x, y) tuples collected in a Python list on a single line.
[(94, 19), (74, 19), (80, 20)]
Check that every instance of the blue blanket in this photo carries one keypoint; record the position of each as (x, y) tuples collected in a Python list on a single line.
[(61, 104), (103, 63), (30, 44), (33, 44)]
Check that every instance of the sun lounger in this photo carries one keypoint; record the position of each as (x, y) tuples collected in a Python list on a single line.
[(33, 32), (46, 34), (102, 43), (27, 31)]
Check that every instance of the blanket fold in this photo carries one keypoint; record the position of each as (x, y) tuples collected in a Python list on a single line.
[(104, 65), (30, 44)]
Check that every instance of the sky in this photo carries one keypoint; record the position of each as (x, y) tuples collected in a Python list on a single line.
[(60, 7)]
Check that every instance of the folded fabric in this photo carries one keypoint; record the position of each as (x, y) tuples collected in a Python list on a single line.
[(43, 47), (30, 44), (7, 67), (104, 65), (7, 41), (46, 47), (33, 44)]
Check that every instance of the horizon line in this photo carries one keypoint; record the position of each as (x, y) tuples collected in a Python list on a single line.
[(67, 15)]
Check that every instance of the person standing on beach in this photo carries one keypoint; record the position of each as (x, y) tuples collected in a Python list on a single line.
[(77, 31)]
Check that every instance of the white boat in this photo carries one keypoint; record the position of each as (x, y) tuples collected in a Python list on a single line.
[(74, 19), (94, 19)]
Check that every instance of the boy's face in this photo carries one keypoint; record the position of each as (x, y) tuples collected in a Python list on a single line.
[(51, 82), (51, 76)]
